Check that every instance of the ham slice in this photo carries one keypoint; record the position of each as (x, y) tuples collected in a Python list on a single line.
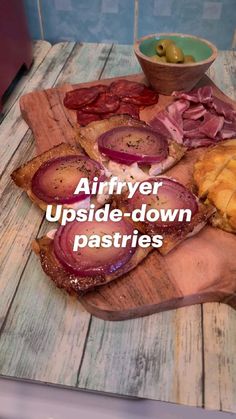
[(223, 108), (176, 109), (211, 125), (194, 112), (166, 125), (190, 96), (202, 95), (205, 94), (197, 119), (228, 130)]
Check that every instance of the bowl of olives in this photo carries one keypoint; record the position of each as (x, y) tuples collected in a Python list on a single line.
[(174, 61)]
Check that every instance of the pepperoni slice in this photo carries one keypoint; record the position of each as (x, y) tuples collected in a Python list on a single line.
[(101, 88), (123, 88), (124, 109), (80, 97), (77, 98), (84, 118), (134, 93), (145, 98), (106, 102), (128, 108)]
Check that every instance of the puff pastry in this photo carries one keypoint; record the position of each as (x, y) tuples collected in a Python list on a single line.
[(215, 177)]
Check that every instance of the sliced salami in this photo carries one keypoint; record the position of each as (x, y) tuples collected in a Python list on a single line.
[(123, 88), (101, 88), (124, 109), (105, 102), (134, 93), (129, 109), (77, 98), (84, 118), (145, 98)]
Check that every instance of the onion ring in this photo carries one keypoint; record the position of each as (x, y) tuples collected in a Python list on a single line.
[(56, 180), (129, 145), (90, 261)]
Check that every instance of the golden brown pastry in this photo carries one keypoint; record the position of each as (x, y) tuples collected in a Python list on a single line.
[(215, 177)]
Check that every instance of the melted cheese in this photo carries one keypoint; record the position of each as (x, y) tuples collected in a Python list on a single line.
[(84, 204), (131, 173), (51, 234)]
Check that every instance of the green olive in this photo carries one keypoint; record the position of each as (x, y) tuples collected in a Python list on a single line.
[(189, 59), (174, 54), (161, 46), (158, 59)]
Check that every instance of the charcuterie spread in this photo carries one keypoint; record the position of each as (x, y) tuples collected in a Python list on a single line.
[(99, 102), (126, 158)]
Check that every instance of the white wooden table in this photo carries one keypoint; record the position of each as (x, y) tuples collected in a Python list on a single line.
[(183, 356)]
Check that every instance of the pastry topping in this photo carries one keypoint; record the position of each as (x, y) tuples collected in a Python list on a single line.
[(96, 260), (128, 145), (171, 197), (56, 180)]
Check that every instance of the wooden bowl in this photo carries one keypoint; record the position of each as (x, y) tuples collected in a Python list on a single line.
[(167, 77)]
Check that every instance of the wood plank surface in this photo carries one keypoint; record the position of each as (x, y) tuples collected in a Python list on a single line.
[(20, 352), (45, 331), (159, 356), (20, 220), (219, 356)]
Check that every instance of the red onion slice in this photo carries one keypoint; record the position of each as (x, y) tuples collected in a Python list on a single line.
[(56, 180), (90, 261), (133, 144), (171, 195)]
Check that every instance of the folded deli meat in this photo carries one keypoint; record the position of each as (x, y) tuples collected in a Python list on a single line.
[(116, 143), (196, 119)]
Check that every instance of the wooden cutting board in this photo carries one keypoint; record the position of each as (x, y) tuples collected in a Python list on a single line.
[(201, 269)]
